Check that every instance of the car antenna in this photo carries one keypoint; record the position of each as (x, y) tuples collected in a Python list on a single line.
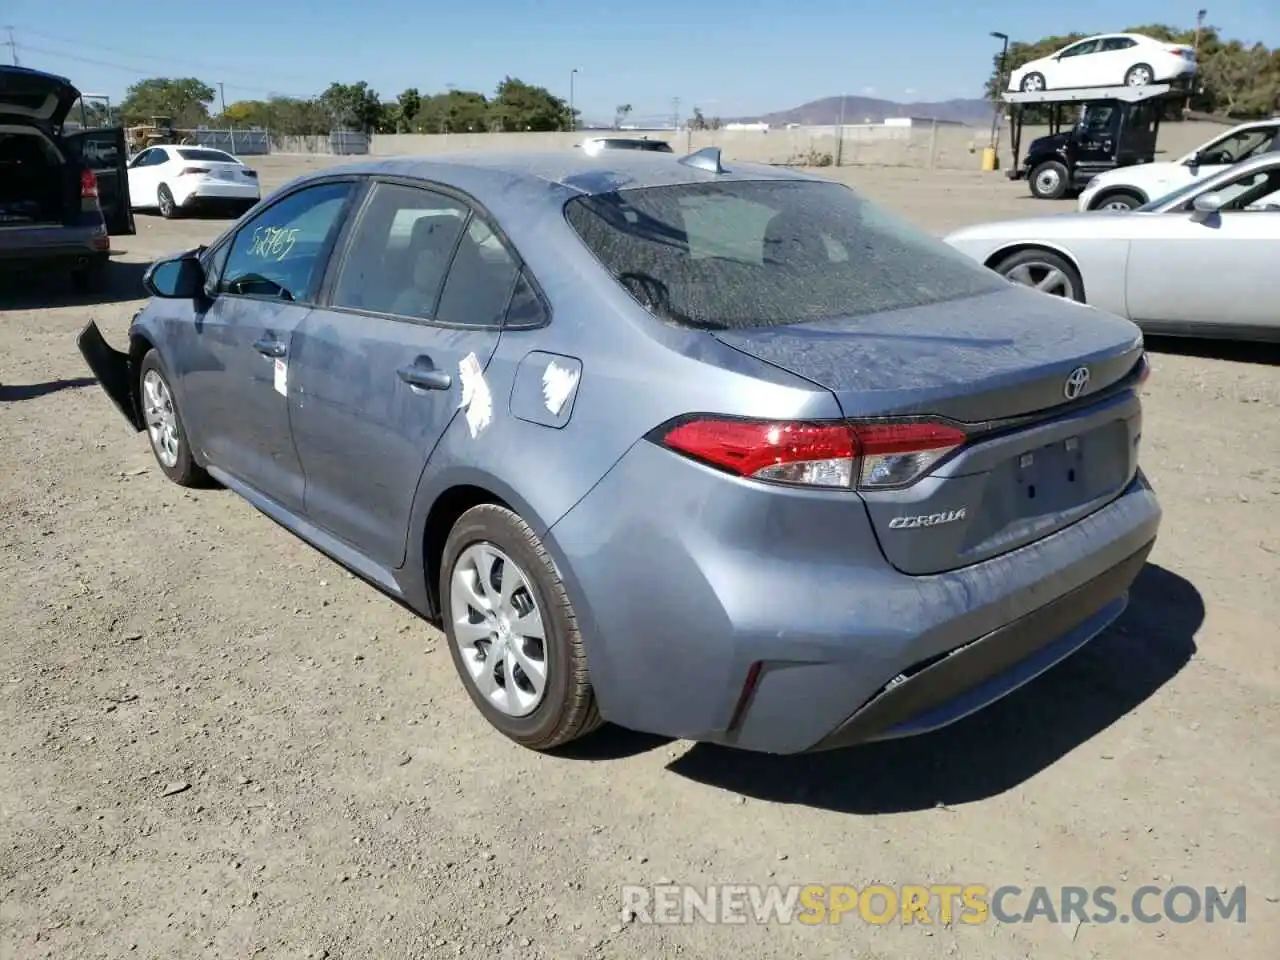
[(708, 158)]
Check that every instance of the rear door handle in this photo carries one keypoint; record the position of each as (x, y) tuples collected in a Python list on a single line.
[(270, 348), (423, 374)]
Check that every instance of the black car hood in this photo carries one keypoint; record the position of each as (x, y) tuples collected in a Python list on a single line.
[(35, 96), (1050, 144)]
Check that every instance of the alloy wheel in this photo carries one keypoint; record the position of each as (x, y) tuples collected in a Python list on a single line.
[(1044, 277), (161, 418), (499, 629)]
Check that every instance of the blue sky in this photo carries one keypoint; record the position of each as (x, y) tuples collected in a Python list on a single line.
[(730, 58)]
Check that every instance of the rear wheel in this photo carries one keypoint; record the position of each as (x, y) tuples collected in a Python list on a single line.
[(1139, 75), (1049, 181), (165, 201), (512, 632), (1045, 271), (165, 430)]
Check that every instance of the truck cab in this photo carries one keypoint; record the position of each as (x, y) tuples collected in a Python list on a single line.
[(1091, 132)]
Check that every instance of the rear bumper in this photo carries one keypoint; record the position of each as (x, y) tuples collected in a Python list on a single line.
[(979, 673), (214, 193), (686, 584), (54, 246)]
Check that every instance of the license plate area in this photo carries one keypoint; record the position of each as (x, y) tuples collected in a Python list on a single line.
[(1051, 477)]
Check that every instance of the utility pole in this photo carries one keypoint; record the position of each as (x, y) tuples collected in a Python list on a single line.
[(573, 120), (222, 96), (1200, 15), (675, 113), (12, 44), (840, 133)]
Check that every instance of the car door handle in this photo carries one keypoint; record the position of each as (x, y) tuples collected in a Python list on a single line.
[(427, 377), (270, 348)]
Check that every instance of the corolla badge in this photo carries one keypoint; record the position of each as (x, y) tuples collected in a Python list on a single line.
[(1076, 382), (927, 520)]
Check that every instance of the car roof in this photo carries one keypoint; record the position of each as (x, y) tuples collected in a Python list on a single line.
[(500, 178)]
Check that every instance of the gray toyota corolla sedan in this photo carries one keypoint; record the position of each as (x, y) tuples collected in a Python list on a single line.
[(717, 451)]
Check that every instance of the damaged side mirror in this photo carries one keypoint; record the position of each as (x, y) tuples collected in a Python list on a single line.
[(179, 278)]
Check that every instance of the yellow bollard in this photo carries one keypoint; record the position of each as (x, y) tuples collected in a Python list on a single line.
[(990, 159)]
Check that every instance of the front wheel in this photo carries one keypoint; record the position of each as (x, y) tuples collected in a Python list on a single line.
[(1049, 181), (512, 632), (1121, 200), (165, 429), (1045, 271)]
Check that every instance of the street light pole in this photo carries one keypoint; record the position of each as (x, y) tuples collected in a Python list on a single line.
[(573, 120), (840, 133), (995, 111)]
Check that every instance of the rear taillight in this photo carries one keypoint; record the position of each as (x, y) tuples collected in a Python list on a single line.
[(868, 456), (88, 185), (192, 171)]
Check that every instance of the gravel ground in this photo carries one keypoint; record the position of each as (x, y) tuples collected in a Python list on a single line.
[(219, 744)]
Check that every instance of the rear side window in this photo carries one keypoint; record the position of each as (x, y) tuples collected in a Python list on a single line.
[(764, 253), (480, 280), (400, 252), (276, 254)]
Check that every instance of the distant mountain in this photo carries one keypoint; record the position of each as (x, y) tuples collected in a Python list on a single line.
[(871, 110)]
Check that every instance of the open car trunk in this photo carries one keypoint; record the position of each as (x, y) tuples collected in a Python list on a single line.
[(35, 187)]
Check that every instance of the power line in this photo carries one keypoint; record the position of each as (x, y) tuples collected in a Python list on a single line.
[(13, 48), (135, 55), (145, 71)]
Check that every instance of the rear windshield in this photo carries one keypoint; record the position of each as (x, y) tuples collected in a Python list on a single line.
[(657, 146), (763, 253), (208, 156)]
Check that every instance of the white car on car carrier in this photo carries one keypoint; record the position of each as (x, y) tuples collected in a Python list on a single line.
[(1107, 60)]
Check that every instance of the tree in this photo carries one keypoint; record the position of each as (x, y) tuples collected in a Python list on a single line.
[(458, 111), (410, 104), (185, 101), (620, 114), (698, 121), (352, 106), (517, 105), (1233, 78)]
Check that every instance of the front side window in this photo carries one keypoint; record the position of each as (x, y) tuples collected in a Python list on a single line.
[(1080, 49), (766, 253), (277, 253), (399, 252)]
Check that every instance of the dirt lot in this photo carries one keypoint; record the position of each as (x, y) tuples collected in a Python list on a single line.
[(345, 800)]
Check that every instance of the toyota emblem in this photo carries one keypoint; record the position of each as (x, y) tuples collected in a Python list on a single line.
[(1077, 380)]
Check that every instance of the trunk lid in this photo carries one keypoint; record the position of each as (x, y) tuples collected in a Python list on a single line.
[(35, 97), (1040, 456)]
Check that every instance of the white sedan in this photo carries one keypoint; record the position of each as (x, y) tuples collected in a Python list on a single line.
[(174, 179), (1200, 261), (1107, 60)]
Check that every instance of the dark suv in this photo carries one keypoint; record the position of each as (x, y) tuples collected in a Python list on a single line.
[(62, 194)]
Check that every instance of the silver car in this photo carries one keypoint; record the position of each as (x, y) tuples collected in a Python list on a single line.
[(724, 454), (1200, 261)]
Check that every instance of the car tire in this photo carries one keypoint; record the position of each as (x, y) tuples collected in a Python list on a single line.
[(91, 278), (477, 625), (1033, 82), (1139, 75), (1049, 180), (164, 200), (1119, 200), (1039, 269), (164, 427)]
